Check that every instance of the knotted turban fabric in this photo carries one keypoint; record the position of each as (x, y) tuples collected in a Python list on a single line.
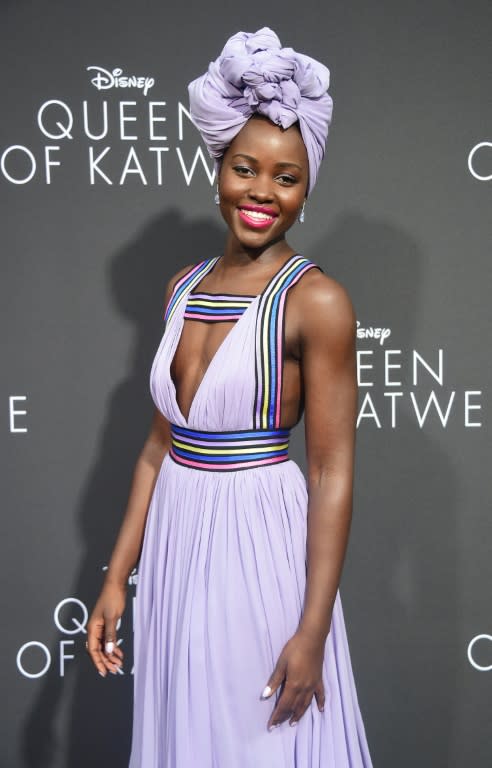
[(255, 75)]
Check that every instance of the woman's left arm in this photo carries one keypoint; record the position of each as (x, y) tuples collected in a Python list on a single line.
[(330, 384), (328, 360)]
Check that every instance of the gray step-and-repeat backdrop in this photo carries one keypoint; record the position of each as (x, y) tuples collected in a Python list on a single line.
[(106, 192)]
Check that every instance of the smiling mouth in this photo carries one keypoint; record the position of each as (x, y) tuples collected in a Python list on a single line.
[(256, 218)]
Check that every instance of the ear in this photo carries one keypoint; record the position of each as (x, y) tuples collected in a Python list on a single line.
[(218, 167)]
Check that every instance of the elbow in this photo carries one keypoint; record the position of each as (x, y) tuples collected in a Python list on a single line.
[(319, 476), (337, 487)]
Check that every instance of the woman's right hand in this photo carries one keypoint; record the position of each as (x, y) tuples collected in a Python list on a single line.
[(101, 644)]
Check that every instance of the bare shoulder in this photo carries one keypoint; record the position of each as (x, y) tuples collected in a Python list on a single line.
[(324, 306)]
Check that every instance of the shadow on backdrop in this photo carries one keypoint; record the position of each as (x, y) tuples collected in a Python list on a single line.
[(402, 555), (100, 709)]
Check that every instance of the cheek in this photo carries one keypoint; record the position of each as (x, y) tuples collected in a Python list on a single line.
[(230, 187), (292, 203)]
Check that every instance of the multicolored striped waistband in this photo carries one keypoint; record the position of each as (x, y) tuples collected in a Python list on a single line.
[(228, 451)]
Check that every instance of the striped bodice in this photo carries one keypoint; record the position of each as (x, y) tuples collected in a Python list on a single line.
[(216, 308), (270, 342), (268, 325)]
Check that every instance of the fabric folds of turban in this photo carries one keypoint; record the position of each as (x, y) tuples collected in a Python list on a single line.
[(255, 75)]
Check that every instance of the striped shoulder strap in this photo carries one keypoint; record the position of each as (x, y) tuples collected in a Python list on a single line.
[(270, 342), (186, 284)]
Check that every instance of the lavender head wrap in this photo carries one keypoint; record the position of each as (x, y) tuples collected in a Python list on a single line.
[(255, 75)]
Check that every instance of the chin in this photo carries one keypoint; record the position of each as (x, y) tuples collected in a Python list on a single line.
[(256, 240)]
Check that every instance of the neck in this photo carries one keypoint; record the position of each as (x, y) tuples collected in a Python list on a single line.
[(236, 254)]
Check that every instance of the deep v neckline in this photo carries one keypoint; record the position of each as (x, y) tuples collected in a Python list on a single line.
[(213, 359), (211, 364)]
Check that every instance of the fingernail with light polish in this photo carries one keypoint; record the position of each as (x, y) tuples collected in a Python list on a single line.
[(266, 692), (101, 673)]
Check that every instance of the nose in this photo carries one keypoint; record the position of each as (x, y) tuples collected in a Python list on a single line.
[(261, 188)]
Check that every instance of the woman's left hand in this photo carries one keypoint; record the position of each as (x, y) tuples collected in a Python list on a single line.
[(299, 666)]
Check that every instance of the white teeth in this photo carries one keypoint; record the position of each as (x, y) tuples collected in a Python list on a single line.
[(256, 214)]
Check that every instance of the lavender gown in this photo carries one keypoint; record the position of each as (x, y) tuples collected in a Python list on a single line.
[(222, 579)]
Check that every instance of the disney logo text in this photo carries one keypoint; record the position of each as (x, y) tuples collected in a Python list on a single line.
[(116, 79), (373, 333)]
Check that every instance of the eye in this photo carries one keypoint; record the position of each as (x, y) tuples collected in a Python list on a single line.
[(287, 179), (242, 170)]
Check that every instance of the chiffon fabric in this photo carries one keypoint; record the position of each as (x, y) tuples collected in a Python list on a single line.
[(220, 591), (255, 75)]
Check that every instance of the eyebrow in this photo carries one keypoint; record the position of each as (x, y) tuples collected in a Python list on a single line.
[(280, 165)]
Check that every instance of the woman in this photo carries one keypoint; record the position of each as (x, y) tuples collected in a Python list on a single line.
[(239, 631)]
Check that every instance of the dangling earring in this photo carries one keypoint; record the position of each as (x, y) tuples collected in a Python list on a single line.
[(301, 215), (217, 197)]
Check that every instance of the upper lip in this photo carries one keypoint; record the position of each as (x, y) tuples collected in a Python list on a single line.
[(259, 209)]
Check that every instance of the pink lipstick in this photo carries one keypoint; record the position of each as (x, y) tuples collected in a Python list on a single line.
[(257, 217)]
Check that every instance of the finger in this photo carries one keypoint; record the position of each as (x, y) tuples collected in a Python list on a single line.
[(300, 706), (274, 681), (111, 650), (98, 660), (110, 639), (95, 639), (283, 709), (93, 645), (114, 660), (319, 694), (118, 650)]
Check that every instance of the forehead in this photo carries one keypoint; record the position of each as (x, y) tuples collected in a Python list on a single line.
[(261, 138)]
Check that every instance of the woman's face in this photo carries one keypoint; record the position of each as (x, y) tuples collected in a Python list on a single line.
[(263, 182)]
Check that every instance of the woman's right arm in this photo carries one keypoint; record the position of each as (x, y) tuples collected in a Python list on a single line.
[(110, 605), (101, 628)]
